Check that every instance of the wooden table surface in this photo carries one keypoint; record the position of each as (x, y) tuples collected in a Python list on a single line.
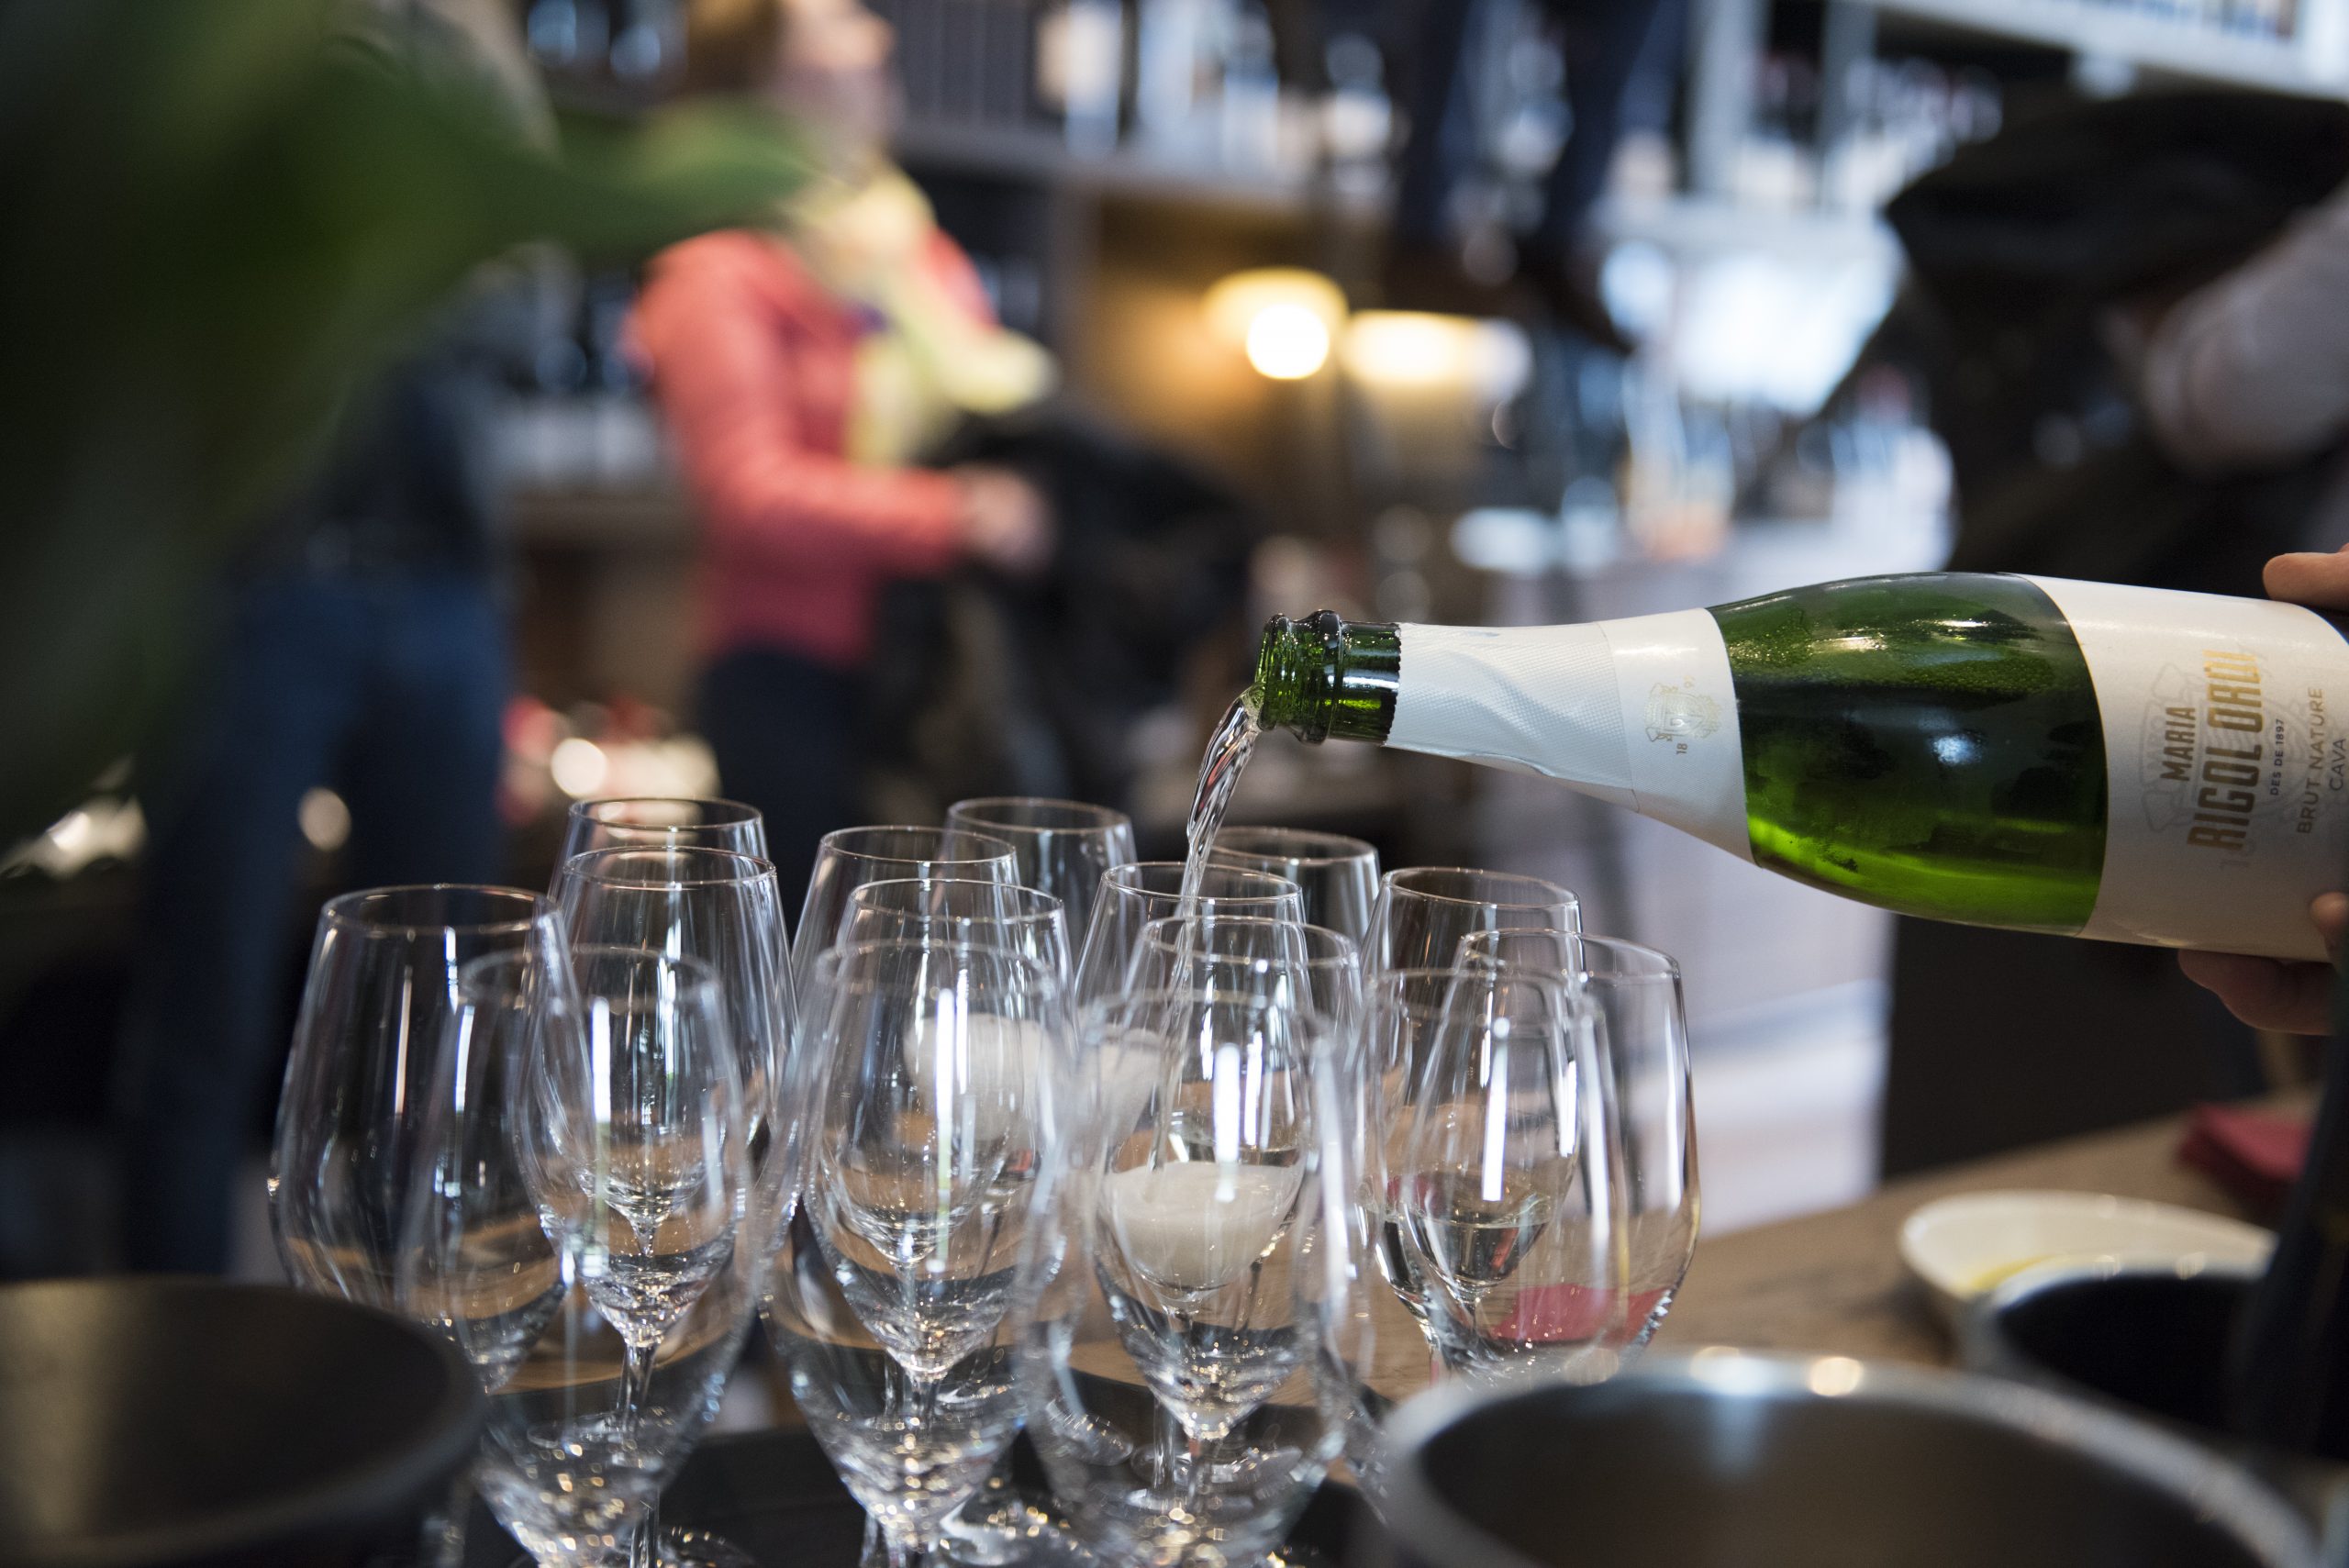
[(1832, 1281)]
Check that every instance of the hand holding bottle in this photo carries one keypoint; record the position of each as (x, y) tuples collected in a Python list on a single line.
[(2266, 993), (1007, 522)]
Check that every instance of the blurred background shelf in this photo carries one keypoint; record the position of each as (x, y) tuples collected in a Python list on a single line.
[(2236, 46)]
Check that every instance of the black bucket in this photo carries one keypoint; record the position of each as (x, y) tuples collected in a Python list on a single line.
[(147, 1421), (1732, 1461)]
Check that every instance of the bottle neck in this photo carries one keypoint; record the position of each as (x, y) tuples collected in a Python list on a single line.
[(1323, 678)]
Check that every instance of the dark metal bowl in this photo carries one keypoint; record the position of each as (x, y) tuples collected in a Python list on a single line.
[(1764, 1462), (2151, 1341), (147, 1420)]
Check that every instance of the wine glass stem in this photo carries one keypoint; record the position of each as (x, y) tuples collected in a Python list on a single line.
[(636, 1383), (882, 1549), (636, 1386), (644, 1548)]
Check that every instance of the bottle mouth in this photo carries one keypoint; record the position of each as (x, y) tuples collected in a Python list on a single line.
[(1320, 676), (1296, 668)]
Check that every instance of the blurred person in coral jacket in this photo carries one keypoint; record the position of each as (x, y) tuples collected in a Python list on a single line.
[(802, 370)]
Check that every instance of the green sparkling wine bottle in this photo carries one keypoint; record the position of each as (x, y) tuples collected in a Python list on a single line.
[(2128, 764)]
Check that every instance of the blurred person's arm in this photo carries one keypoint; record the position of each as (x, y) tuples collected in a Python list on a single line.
[(2267, 993), (2252, 369), (726, 386)]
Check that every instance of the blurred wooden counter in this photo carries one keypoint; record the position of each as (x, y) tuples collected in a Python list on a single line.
[(1834, 1283)]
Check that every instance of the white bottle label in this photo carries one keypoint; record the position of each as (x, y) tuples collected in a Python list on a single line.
[(2226, 747), (1640, 712)]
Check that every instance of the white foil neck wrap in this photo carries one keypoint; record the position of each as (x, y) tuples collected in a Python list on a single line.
[(1639, 712), (1534, 699)]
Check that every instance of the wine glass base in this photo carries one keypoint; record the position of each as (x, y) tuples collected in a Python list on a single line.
[(1004, 1535), (687, 1547)]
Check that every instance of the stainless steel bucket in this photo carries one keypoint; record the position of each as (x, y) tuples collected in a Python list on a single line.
[(1765, 1462)]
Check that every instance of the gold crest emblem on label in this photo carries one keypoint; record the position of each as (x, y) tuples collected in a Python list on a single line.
[(1680, 713)]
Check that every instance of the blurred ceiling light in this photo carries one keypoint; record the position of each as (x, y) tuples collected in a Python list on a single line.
[(579, 767), (101, 830), (1284, 318), (326, 820), (70, 832), (1398, 349), (1287, 342)]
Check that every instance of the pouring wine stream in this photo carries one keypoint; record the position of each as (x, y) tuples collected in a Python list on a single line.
[(1227, 756)]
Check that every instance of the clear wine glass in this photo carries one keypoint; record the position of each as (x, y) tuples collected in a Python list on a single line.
[(944, 909), (663, 822), (1424, 911), (720, 906), (997, 1526), (380, 997), (1336, 876), (654, 1173), (1501, 1189), (1133, 895), (1214, 952), (476, 1259), (848, 859), (1188, 1371), (493, 1253), (1633, 994), (927, 1079), (1062, 846), (1238, 952)]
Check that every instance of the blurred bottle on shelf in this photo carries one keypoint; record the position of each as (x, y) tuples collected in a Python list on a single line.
[(1357, 117), (1080, 71), (1250, 113)]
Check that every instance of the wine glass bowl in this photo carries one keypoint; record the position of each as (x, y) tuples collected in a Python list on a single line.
[(722, 908), (661, 1195), (381, 996), (1424, 911), (1501, 1194), (954, 911), (477, 1260), (1063, 847), (1214, 952), (1633, 995), (929, 1087), (925, 1135), (1132, 895), (663, 822), (1336, 876), (849, 858)]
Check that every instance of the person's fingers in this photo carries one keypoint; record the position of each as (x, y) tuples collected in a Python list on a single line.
[(2331, 913), (2264, 993), (2308, 577)]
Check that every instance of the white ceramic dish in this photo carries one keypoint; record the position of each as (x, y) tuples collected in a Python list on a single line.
[(1960, 1247)]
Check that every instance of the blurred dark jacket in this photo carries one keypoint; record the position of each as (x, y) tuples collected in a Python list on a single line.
[(2028, 255), (408, 484), (980, 685)]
